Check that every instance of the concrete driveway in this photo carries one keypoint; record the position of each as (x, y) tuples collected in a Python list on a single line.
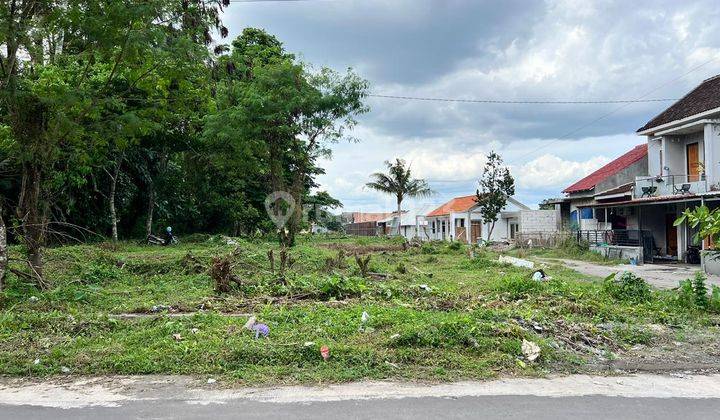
[(662, 276)]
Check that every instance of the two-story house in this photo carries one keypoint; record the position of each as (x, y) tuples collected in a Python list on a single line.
[(677, 168)]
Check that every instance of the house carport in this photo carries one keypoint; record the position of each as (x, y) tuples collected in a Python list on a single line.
[(648, 223)]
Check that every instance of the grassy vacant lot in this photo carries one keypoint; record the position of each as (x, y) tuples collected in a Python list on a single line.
[(439, 315)]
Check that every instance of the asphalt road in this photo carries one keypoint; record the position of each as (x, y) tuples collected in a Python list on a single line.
[(576, 397), (516, 407)]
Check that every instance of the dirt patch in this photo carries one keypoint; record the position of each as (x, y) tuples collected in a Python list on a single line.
[(353, 249)]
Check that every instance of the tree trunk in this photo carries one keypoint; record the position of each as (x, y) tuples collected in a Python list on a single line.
[(150, 208), (297, 215), (492, 227), (3, 251), (113, 189), (32, 211), (399, 212)]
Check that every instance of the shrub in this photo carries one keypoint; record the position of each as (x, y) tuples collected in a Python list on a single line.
[(714, 304), (455, 246), (340, 287), (517, 286), (627, 286), (686, 295), (428, 248), (694, 294), (701, 291), (96, 273)]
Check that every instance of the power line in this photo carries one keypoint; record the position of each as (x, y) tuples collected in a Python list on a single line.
[(522, 101), (602, 117)]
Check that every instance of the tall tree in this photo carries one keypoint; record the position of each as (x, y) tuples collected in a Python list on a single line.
[(60, 76), (283, 112), (398, 181), (496, 185)]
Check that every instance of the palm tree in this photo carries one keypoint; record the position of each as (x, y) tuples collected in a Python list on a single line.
[(400, 183)]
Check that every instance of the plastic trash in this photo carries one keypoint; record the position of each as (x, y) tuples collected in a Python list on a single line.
[(325, 352), (365, 317), (517, 262), (425, 287), (257, 328), (65, 369), (530, 350), (211, 380)]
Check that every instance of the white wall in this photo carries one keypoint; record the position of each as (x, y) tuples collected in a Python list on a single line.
[(654, 149), (712, 153), (675, 153)]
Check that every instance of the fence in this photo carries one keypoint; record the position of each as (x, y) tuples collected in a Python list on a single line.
[(620, 237)]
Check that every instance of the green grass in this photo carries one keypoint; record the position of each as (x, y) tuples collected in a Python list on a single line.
[(566, 254), (469, 322)]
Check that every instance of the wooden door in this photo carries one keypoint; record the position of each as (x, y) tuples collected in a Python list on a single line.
[(460, 234), (670, 234), (475, 231), (693, 162)]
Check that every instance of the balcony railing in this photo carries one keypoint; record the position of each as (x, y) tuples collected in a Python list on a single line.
[(660, 186)]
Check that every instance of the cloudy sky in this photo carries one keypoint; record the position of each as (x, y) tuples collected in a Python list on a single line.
[(500, 50)]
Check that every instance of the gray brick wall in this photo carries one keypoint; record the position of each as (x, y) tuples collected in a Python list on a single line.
[(538, 221)]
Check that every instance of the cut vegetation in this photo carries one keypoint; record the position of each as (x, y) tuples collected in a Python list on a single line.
[(432, 312)]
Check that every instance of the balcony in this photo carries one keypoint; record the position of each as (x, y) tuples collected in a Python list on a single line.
[(669, 185)]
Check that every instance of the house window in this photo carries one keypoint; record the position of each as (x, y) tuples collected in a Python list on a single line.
[(462, 222), (433, 227), (586, 213), (661, 163)]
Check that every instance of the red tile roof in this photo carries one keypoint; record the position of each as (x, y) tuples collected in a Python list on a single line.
[(703, 98), (456, 205), (617, 165)]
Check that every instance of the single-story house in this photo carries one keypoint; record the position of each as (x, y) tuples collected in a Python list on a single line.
[(460, 219)]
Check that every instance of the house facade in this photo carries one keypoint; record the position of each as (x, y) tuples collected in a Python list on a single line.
[(460, 219), (635, 200)]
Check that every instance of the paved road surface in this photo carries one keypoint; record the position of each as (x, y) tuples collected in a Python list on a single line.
[(662, 276), (510, 407), (177, 397)]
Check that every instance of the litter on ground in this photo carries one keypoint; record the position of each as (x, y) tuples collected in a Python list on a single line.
[(530, 350), (517, 262)]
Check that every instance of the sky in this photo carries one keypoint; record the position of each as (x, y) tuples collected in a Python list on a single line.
[(498, 50)]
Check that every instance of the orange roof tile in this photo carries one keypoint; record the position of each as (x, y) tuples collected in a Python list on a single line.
[(456, 205)]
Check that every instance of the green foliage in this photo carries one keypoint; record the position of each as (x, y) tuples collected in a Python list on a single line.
[(496, 186), (455, 246), (701, 291), (706, 221), (628, 287)]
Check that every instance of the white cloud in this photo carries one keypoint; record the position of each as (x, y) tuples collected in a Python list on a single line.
[(549, 170)]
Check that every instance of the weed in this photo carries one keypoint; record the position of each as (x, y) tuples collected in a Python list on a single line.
[(627, 287), (701, 291), (455, 246)]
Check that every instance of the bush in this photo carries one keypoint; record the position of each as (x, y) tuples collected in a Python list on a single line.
[(341, 287), (517, 286), (455, 246), (428, 248), (694, 294), (701, 291), (714, 304), (627, 286), (686, 295)]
